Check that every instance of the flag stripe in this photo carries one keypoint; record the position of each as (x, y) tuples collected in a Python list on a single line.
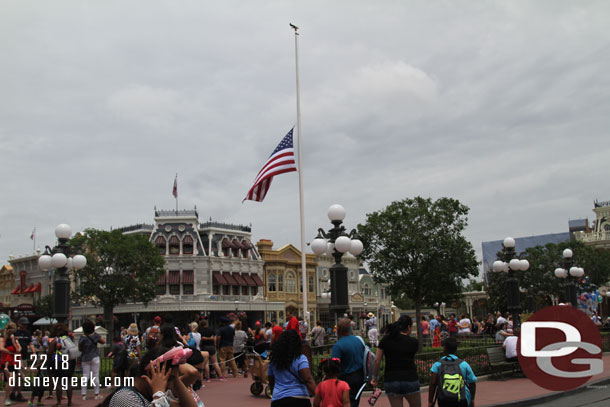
[(280, 161)]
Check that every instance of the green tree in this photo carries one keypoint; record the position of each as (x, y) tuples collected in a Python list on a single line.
[(539, 280), (44, 306), (417, 247), (120, 269)]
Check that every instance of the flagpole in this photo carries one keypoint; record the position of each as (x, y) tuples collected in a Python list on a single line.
[(304, 284)]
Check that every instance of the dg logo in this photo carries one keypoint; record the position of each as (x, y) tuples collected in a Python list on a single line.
[(560, 348)]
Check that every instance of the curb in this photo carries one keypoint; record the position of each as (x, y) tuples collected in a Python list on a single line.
[(552, 396)]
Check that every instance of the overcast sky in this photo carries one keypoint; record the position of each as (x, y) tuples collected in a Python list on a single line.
[(503, 105)]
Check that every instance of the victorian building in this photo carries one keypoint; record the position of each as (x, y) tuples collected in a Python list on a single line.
[(211, 268), (28, 284), (599, 234), (283, 277)]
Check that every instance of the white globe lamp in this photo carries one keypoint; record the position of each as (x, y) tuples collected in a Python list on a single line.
[(45, 262), (319, 246), (79, 261), (63, 231), (59, 260), (356, 247), (336, 212), (343, 244), (509, 242)]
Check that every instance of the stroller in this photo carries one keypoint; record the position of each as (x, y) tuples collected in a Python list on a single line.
[(257, 366)]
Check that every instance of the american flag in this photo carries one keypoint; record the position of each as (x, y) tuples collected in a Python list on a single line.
[(279, 162), (175, 189)]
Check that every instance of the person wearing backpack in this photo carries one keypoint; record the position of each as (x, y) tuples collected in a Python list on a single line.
[(350, 349), (452, 382), (90, 359), (62, 348), (400, 374)]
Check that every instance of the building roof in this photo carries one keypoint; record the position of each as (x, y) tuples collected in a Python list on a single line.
[(362, 270), (577, 223)]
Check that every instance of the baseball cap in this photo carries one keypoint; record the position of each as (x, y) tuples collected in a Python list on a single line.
[(157, 319)]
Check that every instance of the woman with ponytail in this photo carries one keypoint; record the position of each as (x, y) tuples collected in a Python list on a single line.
[(400, 374)]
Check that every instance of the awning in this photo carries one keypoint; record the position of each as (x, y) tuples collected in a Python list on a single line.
[(246, 245), (187, 240), (226, 243), (30, 289), (16, 291), (219, 279), (160, 240), (187, 277), (45, 321), (161, 280), (249, 280), (174, 277), (240, 280), (38, 288), (258, 280), (173, 241), (229, 278)]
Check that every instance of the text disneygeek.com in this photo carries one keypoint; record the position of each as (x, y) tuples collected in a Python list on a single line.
[(68, 382)]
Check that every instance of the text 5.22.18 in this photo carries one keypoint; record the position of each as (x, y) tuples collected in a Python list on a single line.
[(43, 363)]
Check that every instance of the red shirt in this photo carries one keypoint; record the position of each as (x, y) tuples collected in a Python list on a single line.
[(294, 324), (276, 331), (331, 392)]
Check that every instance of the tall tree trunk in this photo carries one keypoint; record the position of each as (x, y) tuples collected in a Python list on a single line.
[(109, 322), (420, 337)]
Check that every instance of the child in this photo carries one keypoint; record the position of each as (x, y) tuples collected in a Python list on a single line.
[(332, 392), (38, 388)]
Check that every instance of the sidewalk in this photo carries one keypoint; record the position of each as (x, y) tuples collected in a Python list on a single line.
[(236, 392)]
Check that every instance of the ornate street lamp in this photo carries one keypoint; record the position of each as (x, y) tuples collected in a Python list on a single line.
[(59, 258), (571, 274), (510, 264), (337, 242)]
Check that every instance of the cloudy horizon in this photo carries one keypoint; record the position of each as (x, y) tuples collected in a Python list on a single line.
[(502, 105)]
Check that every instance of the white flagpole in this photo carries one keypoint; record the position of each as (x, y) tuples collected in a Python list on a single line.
[(304, 284)]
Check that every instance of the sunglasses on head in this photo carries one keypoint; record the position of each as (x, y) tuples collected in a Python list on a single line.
[(333, 359)]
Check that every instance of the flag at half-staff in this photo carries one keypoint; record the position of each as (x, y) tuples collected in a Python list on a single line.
[(279, 162)]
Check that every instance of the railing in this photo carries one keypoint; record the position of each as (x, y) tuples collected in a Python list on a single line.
[(139, 226), (222, 225)]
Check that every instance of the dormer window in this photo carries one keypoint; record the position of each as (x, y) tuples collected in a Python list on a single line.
[(161, 243), (174, 245), (187, 245)]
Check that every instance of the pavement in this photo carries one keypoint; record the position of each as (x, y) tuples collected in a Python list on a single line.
[(514, 392)]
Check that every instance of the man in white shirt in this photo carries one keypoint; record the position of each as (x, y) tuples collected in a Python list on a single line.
[(500, 319), (464, 325), (510, 347)]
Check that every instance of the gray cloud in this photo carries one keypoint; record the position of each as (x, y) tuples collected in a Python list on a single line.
[(503, 105)]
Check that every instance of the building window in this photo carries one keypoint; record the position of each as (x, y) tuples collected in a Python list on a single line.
[(226, 289), (174, 245), (216, 289), (188, 282), (187, 245), (271, 281), (254, 291), (174, 282), (291, 283), (160, 242), (367, 290), (235, 290), (161, 286), (311, 284), (280, 282)]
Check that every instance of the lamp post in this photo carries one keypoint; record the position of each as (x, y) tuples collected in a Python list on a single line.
[(510, 264), (571, 274), (337, 242), (59, 258)]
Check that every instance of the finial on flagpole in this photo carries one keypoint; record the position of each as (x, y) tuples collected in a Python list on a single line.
[(294, 27)]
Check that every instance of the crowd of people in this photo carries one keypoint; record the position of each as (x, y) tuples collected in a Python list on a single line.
[(219, 354)]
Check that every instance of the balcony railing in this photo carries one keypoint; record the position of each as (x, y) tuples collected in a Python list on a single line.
[(593, 237)]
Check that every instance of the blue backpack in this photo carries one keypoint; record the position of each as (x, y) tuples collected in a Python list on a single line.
[(368, 359)]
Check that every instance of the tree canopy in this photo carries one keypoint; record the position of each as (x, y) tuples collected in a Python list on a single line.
[(120, 269), (416, 246)]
